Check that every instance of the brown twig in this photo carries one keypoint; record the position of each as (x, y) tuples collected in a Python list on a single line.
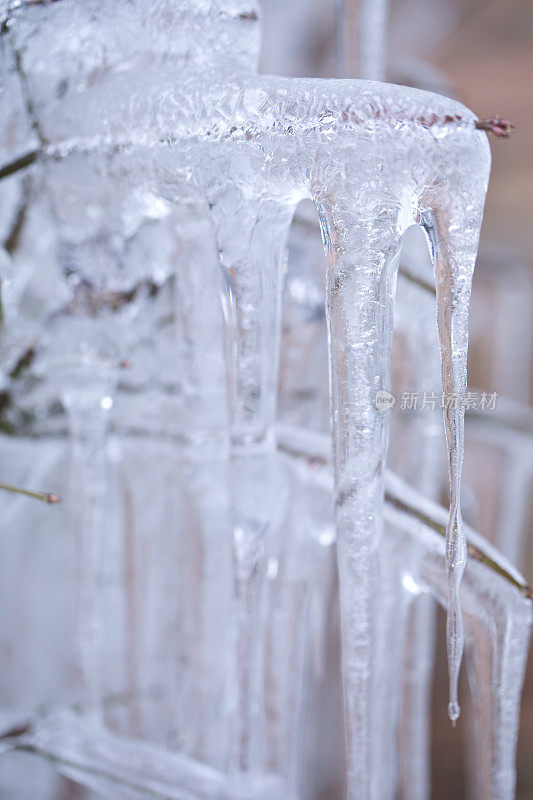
[(499, 126)]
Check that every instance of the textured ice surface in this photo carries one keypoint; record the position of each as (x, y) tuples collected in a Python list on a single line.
[(131, 139)]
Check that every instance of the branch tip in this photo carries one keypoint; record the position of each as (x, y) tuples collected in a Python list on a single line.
[(498, 125), (45, 497)]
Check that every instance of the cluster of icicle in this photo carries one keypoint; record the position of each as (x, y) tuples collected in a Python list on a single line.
[(163, 106)]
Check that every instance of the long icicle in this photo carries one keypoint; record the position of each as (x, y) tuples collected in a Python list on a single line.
[(452, 221), (252, 242), (359, 314)]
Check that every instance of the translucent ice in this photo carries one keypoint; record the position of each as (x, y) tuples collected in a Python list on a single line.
[(498, 613), (152, 123)]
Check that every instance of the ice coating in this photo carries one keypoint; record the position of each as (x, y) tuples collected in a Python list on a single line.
[(374, 159)]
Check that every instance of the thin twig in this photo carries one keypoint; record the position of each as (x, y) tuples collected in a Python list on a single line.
[(499, 126), (45, 497), (19, 163)]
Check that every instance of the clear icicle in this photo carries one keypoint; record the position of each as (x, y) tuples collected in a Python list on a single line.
[(453, 227), (364, 22), (497, 653), (198, 286), (252, 241), (394, 609), (360, 299)]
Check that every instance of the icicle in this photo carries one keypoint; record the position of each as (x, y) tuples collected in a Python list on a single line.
[(210, 578), (371, 26), (361, 257), (88, 400), (303, 390), (252, 242), (198, 285), (205, 574), (415, 732), (453, 225), (394, 607), (497, 654), (453, 311)]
